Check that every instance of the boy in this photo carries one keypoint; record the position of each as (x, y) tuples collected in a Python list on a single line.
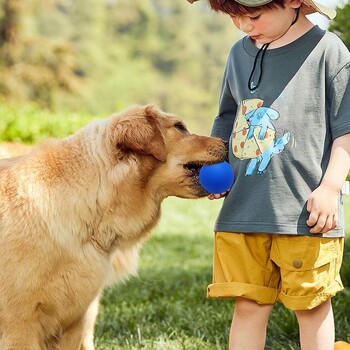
[(285, 111)]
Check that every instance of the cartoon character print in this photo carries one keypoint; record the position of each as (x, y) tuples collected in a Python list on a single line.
[(254, 136)]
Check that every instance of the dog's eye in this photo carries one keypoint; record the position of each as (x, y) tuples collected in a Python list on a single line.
[(180, 126)]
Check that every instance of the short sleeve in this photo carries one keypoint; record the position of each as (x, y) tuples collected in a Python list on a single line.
[(340, 103)]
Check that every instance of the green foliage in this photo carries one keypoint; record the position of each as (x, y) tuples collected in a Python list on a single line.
[(101, 56), (30, 124), (341, 24), (32, 67)]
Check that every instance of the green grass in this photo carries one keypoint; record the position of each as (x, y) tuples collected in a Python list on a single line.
[(28, 123), (165, 307)]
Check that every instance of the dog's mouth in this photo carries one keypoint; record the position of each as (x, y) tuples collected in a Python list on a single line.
[(194, 168), (192, 171)]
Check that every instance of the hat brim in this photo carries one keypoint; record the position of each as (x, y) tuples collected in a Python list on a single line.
[(308, 7)]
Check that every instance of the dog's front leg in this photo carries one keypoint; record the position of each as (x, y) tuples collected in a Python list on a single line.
[(21, 336), (80, 335), (71, 337), (90, 318)]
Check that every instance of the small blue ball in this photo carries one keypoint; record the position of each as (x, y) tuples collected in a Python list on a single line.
[(216, 178)]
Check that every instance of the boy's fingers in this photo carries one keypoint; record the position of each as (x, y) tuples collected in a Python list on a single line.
[(318, 226), (214, 196), (312, 220), (323, 224), (217, 195), (309, 205)]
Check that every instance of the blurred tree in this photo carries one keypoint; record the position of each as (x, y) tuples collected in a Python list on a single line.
[(10, 25), (101, 56), (32, 67), (341, 24)]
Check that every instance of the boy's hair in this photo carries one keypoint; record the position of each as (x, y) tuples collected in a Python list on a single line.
[(232, 7)]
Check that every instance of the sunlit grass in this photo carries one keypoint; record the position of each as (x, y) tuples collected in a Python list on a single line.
[(165, 307)]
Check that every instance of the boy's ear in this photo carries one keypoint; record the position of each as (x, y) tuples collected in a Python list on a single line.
[(294, 3)]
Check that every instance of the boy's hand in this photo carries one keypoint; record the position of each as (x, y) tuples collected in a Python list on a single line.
[(218, 195), (323, 208)]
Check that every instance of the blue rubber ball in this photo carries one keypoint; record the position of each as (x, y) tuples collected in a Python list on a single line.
[(216, 178)]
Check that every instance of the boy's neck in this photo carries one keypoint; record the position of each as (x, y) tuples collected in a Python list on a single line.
[(302, 26)]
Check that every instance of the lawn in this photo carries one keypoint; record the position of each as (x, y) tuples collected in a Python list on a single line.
[(165, 307)]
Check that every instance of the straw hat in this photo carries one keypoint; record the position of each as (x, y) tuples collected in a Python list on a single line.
[(308, 6)]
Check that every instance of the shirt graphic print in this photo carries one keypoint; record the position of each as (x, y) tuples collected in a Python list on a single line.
[(254, 136)]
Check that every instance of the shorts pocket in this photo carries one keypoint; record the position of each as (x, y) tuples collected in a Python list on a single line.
[(303, 253)]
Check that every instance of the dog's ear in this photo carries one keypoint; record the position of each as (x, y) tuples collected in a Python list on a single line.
[(141, 133)]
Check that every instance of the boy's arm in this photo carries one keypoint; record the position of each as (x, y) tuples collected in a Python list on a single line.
[(323, 202)]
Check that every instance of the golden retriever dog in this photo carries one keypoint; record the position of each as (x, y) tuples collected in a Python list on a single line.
[(74, 213), (10, 149)]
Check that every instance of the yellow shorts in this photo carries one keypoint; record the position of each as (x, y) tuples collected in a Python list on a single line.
[(300, 271)]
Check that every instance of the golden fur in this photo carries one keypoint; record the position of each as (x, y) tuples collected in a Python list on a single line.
[(74, 213)]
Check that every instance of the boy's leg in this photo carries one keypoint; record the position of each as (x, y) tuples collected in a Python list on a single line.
[(249, 323), (243, 270), (317, 327), (310, 277)]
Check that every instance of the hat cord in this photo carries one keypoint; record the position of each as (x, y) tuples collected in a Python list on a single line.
[(251, 86)]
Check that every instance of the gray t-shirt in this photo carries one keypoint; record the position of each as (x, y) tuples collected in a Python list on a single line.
[(280, 135)]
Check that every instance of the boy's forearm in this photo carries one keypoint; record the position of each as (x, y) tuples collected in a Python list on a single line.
[(339, 163)]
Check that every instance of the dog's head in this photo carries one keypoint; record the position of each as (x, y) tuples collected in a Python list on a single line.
[(169, 156)]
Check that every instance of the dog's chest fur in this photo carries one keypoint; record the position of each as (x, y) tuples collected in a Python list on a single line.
[(93, 251)]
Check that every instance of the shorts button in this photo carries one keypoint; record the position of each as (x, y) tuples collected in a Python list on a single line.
[(297, 263)]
